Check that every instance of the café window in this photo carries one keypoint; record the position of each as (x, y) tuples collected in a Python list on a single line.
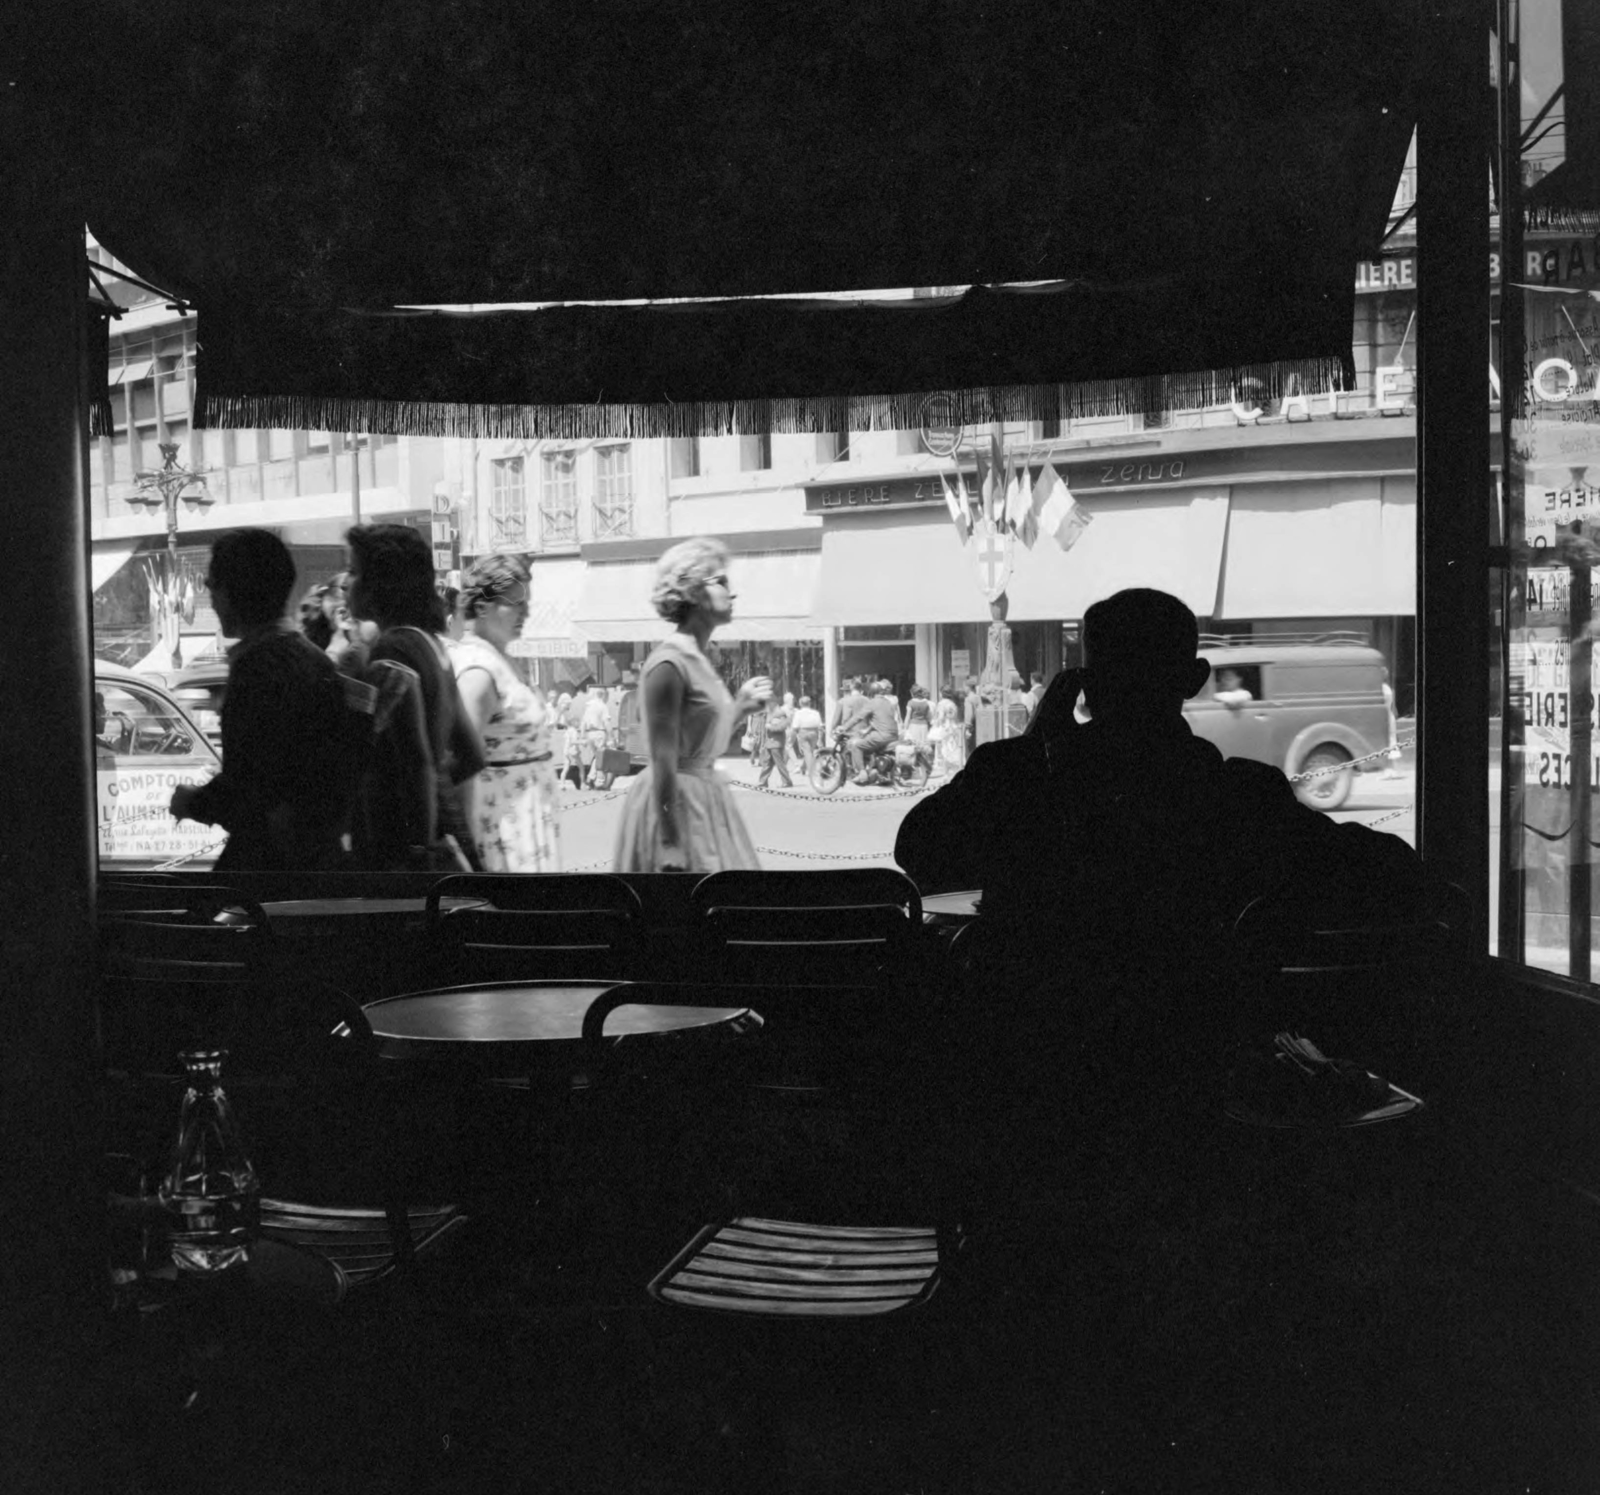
[(613, 492), (558, 498), (508, 504)]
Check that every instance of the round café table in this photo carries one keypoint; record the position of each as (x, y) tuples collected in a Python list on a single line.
[(531, 1033), (308, 917), (511, 1027), (950, 910)]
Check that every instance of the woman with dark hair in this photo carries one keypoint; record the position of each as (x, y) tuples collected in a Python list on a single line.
[(680, 815), (511, 804), (427, 746)]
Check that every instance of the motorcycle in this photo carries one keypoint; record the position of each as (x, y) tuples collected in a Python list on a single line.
[(901, 765)]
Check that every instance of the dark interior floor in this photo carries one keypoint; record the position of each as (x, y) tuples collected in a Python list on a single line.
[(1171, 1303)]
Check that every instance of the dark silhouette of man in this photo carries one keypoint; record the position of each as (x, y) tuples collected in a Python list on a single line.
[(1128, 844), (285, 790)]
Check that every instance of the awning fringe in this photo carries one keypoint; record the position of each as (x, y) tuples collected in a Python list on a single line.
[(906, 412)]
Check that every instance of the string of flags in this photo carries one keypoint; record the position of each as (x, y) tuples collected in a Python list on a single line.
[(1009, 497)]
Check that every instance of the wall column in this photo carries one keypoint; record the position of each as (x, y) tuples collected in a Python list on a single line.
[(1453, 144), (52, 1261)]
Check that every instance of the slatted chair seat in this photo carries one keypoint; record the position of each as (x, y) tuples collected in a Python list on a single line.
[(796, 1269), (359, 1241)]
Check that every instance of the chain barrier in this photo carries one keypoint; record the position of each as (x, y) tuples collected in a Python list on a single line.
[(592, 799), (830, 856), (1322, 773), (1392, 815), (837, 798), (205, 851)]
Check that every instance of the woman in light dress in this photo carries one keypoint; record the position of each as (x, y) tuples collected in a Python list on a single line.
[(680, 815), (513, 804), (953, 733)]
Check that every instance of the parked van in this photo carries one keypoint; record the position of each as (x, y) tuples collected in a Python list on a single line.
[(1302, 705)]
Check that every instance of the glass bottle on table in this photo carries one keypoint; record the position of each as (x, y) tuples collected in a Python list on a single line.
[(209, 1188)]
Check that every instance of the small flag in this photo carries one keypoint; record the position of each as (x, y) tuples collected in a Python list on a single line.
[(1018, 500), (1060, 514), (959, 512), (994, 490)]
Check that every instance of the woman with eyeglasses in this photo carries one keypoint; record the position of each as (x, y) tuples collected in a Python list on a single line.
[(513, 800), (680, 815)]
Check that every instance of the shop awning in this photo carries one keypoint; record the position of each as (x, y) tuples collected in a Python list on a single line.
[(549, 631), (1336, 548), (906, 567), (105, 561), (300, 180), (772, 599)]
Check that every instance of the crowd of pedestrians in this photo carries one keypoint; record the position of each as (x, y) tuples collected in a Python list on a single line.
[(388, 728)]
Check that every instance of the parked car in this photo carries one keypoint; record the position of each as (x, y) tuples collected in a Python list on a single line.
[(1302, 706), (199, 689), (146, 745)]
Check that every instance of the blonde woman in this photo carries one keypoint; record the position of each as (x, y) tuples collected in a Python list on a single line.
[(513, 801), (680, 815)]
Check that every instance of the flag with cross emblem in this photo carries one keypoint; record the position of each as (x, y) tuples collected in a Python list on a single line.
[(993, 550)]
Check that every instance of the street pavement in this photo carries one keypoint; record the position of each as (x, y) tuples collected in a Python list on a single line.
[(856, 827)]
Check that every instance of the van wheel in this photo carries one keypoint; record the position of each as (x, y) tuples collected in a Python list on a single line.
[(1329, 790)]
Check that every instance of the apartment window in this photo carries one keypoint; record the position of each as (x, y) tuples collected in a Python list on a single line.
[(1049, 428), (613, 492), (508, 504), (755, 452), (558, 498), (685, 453)]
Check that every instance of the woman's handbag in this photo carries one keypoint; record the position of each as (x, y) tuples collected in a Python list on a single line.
[(748, 741)]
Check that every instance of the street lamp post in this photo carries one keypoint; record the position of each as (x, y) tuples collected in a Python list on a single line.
[(162, 488)]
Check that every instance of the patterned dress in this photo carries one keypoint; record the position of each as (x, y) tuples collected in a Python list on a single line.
[(711, 834), (515, 797)]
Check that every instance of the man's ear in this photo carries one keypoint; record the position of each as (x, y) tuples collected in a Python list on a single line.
[(1195, 678)]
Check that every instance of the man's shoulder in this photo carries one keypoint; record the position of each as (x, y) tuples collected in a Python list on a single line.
[(286, 652)]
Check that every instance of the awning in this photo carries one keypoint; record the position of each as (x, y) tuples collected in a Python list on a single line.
[(131, 373), (289, 178), (912, 567), (1334, 548), (772, 598), (549, 631), (104, 563)]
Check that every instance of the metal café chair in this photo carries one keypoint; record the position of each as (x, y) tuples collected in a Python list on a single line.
[(505, 927), (849, 926), (156, 927), (846, 1220)]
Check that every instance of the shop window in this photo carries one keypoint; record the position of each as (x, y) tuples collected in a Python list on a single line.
[(755, 452), (508, 504), (613, 492), (684, 452), (558, 498)]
